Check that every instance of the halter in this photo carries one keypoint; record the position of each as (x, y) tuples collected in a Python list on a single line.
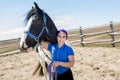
[(36, 38)]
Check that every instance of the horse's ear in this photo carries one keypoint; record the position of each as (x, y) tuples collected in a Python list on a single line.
[(36, 6)]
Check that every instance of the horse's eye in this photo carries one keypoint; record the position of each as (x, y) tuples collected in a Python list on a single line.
[(36, 16)]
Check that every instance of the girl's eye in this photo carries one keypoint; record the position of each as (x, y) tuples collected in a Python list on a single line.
[(61, 36)]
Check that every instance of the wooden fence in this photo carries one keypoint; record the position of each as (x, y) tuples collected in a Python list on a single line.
[(112, 33)]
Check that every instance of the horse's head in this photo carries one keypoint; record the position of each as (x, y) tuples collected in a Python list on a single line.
[(39, 26)]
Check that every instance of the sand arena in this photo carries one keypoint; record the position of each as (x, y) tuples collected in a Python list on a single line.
[(91, 63)]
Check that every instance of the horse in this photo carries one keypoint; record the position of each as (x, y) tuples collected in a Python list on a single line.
[(39, 26)]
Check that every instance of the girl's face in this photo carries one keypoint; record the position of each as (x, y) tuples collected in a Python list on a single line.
[(61, 38)]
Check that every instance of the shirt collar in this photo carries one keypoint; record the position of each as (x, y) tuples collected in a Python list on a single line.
[(61, 46)]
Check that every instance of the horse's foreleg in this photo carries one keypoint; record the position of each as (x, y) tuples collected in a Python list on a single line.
[(43, 64), (45, 72), (38, 69), (42, 61)]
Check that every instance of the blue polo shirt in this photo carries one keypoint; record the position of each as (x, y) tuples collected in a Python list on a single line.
[(60, 54)]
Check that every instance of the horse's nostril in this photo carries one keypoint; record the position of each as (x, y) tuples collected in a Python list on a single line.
[(23, 46)]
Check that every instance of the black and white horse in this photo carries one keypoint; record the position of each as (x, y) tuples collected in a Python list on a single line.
[(39, 26)]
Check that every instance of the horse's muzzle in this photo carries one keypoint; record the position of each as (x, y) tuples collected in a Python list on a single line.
[(24, 47)]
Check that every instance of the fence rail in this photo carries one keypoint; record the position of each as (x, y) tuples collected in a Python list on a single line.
[(6, 46), (98, 33)]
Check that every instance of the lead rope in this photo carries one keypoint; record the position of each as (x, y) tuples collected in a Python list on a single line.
[(52, 72)]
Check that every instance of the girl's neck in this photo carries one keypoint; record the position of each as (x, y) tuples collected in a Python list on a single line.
[(60, 45)]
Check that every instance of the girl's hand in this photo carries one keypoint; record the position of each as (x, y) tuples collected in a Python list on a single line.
[(55, 64)]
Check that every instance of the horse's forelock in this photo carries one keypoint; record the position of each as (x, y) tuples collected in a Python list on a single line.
[(33, 11), (29, 14)]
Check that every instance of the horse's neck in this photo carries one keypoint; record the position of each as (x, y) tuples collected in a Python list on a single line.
[(51, 24)]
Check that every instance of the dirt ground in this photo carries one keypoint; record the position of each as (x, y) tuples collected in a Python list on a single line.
[(93, 63)]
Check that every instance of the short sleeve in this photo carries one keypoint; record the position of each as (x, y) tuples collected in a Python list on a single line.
[(70, 51), (49, 47)]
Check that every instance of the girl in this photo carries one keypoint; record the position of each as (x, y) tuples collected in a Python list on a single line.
[(62, 56)]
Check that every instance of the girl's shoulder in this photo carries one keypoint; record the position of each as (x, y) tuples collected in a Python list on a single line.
[(68, 47)]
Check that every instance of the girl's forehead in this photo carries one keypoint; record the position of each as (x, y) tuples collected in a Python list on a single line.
[(61, 33)]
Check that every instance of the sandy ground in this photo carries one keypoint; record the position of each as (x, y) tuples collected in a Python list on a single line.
[(90, 64)]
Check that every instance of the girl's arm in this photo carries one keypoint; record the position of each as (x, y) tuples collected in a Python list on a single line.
[(65, 64)]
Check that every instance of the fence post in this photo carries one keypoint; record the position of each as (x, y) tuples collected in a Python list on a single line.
[(81, 37), (112, 35)]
